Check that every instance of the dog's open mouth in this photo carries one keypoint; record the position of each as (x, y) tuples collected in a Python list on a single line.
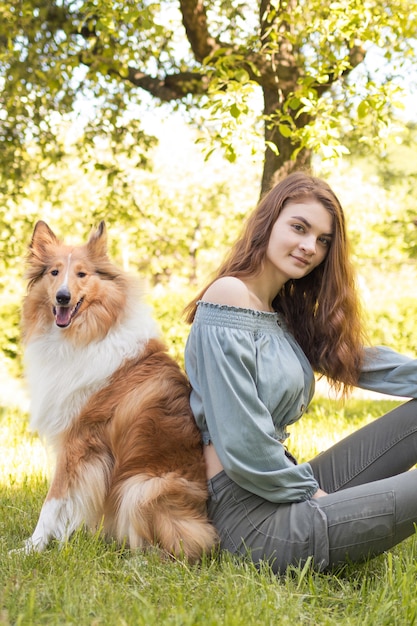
[(65, 314)]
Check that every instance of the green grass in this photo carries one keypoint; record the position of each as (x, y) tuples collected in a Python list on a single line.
[(90, 582)]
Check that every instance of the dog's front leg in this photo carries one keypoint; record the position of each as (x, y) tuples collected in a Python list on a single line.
[(55, 522), (59, 516)]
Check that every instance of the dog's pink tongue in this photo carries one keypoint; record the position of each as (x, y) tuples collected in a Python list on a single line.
[(63, 316)]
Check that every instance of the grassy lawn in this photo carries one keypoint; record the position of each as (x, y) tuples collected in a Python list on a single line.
[(90, 582)]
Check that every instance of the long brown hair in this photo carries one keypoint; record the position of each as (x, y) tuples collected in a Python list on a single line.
[(322, 309)]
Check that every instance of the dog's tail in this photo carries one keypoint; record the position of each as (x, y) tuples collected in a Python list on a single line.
[(168, 511)]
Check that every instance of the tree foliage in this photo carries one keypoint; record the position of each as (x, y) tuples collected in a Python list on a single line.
[(303, 62)]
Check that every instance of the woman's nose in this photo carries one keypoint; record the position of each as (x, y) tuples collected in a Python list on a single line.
[(308, 245)]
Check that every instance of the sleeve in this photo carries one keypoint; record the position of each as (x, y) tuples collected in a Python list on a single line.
[(221, 364), (389, 372)]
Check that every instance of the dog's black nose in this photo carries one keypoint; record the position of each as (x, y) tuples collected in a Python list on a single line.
[(63, 297)]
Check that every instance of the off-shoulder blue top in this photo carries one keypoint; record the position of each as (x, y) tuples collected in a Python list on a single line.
[(250, 380)]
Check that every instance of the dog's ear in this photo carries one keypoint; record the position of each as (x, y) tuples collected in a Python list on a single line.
[(39, 251), (42, 237), (97, 243)]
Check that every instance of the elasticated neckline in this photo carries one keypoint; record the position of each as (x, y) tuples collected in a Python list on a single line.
[(236, 317)]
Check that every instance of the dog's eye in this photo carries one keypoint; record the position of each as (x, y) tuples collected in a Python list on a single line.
[(81, 274), (55, 272)]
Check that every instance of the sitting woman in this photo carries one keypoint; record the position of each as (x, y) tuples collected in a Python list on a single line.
[(282, 306)]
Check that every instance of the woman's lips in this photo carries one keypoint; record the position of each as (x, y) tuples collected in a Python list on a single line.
[(301, 260)]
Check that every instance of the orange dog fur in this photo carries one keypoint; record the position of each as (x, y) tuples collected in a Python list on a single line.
[(113, 404)]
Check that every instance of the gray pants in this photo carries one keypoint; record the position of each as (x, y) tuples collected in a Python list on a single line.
[(371, 506)]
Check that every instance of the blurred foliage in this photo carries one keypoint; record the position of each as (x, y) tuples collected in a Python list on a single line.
[(10, 345), (168, 310), (393, 324)]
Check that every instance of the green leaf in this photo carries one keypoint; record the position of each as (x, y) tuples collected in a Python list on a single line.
[(285, 130), (362, 109), (272, 146), (234, 111), (293, 103)]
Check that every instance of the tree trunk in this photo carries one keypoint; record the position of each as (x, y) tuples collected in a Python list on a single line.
[(277, 166)]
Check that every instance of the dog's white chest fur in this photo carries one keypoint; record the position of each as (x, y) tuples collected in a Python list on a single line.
[(62, 376)]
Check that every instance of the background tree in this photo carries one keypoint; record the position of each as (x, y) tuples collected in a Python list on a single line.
[(299, 60)]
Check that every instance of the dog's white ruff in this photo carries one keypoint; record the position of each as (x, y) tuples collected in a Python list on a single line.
[(62, 376)]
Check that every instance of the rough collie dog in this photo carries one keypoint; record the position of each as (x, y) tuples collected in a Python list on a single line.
[(113, 404)]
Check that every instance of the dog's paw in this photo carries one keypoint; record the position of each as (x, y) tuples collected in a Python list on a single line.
[(29, 547)]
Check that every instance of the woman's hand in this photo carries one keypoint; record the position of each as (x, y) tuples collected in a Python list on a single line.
[(319, 493)]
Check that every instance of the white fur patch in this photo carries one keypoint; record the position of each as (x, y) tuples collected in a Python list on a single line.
[(57, 520), (62, 376), (137, 491), (65, 283)]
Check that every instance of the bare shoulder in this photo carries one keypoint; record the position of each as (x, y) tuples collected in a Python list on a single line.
[(228, 290)]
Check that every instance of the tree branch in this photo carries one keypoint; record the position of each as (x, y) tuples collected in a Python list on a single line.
[(171, 87), (194, 18)]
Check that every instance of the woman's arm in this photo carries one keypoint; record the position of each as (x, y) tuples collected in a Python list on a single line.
[(389, 372)]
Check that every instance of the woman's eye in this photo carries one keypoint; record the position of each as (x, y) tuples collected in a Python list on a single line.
[(324, 241), (299, 227)]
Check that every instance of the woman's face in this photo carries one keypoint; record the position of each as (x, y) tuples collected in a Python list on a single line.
[(300, 238)]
